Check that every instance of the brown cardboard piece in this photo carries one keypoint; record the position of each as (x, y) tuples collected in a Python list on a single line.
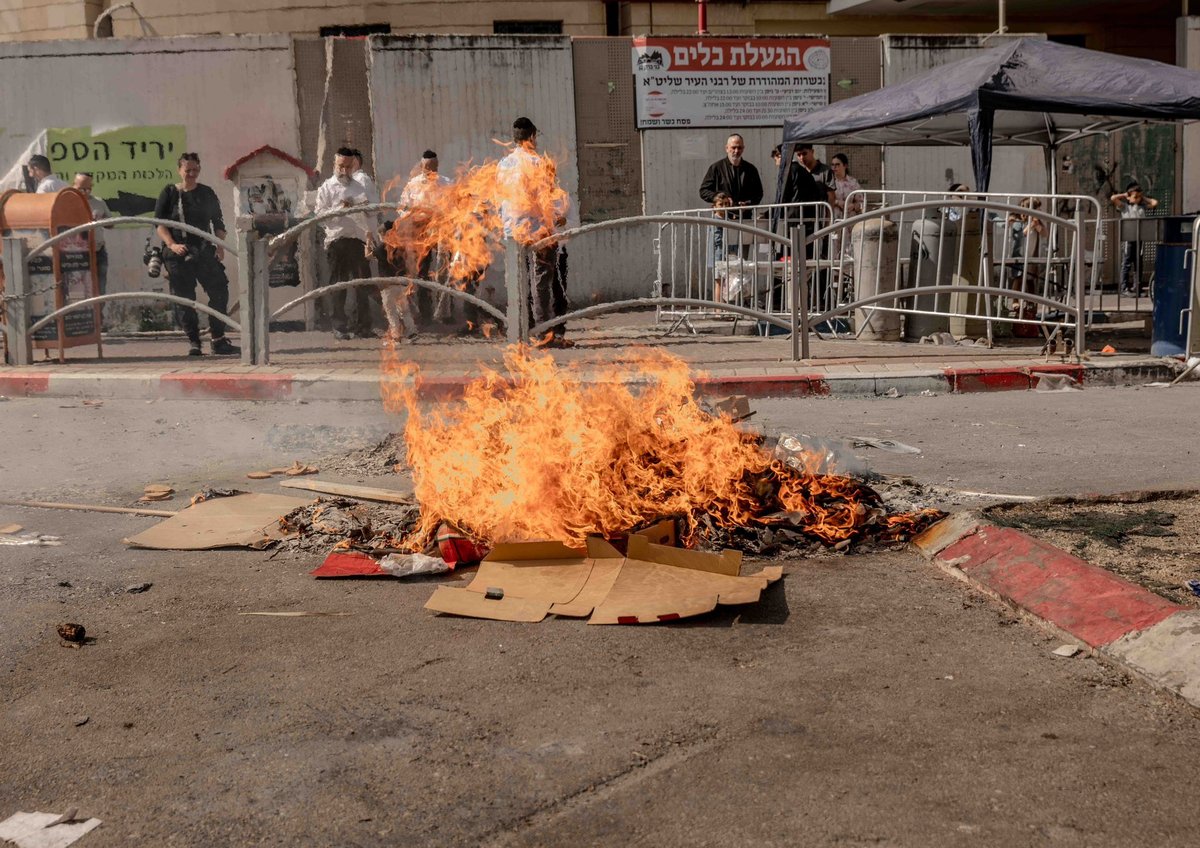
[(238, 521), (652, 583)]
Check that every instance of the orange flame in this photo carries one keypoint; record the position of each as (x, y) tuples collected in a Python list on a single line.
[(467, 219), (540, 454)]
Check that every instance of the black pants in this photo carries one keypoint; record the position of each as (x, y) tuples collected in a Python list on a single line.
[(201, 267), (548, 287), (348, 261)]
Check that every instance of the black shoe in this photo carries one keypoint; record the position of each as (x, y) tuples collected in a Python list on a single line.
[(195, 350), (224, 347)]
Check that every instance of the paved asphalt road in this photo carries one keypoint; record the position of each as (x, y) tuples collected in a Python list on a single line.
[(868, 700)]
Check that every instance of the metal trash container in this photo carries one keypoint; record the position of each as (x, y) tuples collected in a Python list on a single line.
[(931, 262), (1172, 289)]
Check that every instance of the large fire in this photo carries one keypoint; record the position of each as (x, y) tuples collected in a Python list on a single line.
[(540, 454)]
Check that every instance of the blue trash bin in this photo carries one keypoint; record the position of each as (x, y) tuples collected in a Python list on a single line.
[(1172, 288)]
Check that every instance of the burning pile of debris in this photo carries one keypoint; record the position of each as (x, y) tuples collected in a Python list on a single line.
[(542, 453)]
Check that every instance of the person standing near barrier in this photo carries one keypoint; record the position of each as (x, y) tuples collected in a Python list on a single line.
[(528, 218), (348, 241), (417, 203), (732, 175), (843, 186), (736, 177), (798, 187), (100, 211), (43, 176), (1133, 204), (190, 259), (820, 172)]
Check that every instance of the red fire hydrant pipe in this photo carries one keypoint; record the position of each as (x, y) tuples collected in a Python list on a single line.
[(701, 17)]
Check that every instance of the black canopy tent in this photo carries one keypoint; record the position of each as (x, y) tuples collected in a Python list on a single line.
[(1028, 92)]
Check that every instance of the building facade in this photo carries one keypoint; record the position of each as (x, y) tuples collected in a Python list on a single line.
[(1144, 29)]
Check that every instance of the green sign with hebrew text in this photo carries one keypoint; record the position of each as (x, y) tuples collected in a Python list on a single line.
[(129, 165)]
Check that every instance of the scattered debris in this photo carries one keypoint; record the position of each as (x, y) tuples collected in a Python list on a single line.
[(300, 614), (66, 584), (240, 521), (296, 469), (1054, 382), (457, 548), (9, 529), (156, 492), (71, 632), (138, 588), (1108, 350), (1193, 587), (93, 403), (735, 407), (208, 493), (888, 445), (30, 540), (125, 510), (45, 830), (410, 565), (348, 490), (1066, 651), (893, 392), (80, 721), (344, 526)]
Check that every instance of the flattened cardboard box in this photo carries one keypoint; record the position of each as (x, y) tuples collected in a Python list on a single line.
[(651, 583), (238, 521)]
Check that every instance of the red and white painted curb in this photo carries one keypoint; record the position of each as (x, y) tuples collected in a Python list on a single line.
[(1146, 634), (274, 384)]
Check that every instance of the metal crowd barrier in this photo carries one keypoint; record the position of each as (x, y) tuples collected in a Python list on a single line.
[(702, 261), (1024, 246)]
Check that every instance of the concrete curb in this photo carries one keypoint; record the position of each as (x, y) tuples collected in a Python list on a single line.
[(276, 384), (1145, 634)]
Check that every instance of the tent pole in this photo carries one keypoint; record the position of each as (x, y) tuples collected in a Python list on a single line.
[(1051, 152)]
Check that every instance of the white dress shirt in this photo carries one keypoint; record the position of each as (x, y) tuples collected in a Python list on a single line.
[(333, 194)]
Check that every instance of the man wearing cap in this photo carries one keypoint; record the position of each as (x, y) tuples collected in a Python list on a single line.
[(529, 218), (39, 169)]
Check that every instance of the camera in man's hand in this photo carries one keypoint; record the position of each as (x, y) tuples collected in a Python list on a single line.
[(152, 259)]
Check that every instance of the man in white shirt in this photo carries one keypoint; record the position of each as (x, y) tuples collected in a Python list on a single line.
[(100, 211), (348, 241), (528, 218), (418, 202), (39, 169)]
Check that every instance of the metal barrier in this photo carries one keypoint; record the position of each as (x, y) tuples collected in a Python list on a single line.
[(697, 260), (984, 298), (1025, 245), (17, 294), (929, 268)]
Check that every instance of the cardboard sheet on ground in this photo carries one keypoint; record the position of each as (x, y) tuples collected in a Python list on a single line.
[(651, 583), (43, 830), (239, 521)]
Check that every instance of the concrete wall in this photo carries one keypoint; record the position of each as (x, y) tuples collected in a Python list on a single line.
[(459, 95), (196, 82)]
